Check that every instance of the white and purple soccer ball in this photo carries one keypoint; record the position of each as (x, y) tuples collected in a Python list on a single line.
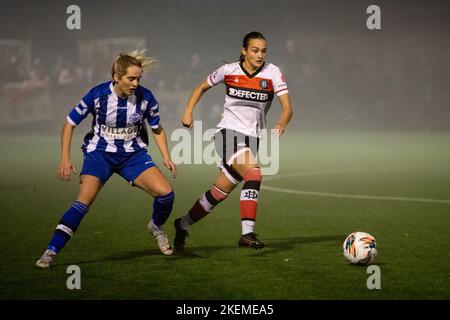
[(360, 248)]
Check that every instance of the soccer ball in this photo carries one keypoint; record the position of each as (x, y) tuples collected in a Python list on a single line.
[(360, 248)]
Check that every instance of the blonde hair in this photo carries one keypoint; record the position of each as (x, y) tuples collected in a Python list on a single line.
[(134, 58)]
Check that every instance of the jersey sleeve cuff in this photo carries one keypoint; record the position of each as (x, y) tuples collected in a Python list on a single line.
[(71, 121), (210, 83), (281, 92)]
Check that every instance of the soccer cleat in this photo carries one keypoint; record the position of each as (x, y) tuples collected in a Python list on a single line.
[(250, 240), (180, 236), (161, 239), (46, 259)]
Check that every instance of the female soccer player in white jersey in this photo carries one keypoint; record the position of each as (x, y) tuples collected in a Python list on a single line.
[(116, 144), (250, 86)]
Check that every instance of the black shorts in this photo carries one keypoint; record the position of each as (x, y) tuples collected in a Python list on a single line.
[(230, 144)]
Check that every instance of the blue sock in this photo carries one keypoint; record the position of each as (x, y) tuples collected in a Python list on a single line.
[(162, 207), (67, 225)]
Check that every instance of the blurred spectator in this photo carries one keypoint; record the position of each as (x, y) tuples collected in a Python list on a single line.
[(65, 77), (14, 70), (37, 77), (193, 73)]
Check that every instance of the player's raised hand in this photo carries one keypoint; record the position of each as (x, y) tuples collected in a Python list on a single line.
[(186, 120), (65, 169)]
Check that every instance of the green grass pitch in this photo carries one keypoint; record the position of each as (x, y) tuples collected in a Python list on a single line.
[(304, 231)]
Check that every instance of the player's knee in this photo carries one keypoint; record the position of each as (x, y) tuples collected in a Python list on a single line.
[(253, 174), (163, 190), (217, 194), (166, 197)]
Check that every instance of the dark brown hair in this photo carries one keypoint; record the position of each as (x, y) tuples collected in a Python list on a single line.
[(246, 40)]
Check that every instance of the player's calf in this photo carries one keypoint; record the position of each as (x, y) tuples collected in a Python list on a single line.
[(162, 208), (202, 207), (65, 229), (249, 199)]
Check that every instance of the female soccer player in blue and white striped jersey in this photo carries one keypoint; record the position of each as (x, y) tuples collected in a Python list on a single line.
[(116, 144)]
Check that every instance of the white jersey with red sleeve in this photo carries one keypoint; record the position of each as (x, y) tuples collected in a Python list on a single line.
[(248, 96)]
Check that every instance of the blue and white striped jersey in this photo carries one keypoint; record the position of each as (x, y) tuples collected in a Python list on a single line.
[(118, 124)]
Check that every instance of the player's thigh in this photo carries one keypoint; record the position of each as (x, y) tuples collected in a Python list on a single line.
[(244, 162), (88, 189), (153, 182)]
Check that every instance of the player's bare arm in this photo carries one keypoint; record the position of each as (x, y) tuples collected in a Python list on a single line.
[(66, 167), (159, 136), (197, 93), (286, 114)]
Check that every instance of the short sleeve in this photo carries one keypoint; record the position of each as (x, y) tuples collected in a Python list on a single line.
[(82, 109), (279, 83), (153, 113), (216, 77)]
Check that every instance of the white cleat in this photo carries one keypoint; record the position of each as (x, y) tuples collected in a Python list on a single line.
[(161, 239), (46, 260)]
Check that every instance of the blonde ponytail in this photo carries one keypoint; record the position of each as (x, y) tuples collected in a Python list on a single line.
[(134, 58)]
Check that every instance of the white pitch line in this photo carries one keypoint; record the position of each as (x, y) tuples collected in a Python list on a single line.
[(352, 196), (340, 195), (321, 173)]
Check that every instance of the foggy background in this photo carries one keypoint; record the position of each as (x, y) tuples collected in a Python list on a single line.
[(341, 76)]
